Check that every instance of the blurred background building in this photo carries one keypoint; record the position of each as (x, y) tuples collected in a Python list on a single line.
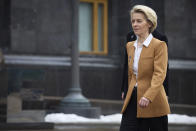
[(35, 36)]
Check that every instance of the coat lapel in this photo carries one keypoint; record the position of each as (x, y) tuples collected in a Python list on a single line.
[(144, 53), (132, 57)]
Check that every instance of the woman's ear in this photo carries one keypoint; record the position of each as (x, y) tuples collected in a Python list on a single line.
[(150, 24)]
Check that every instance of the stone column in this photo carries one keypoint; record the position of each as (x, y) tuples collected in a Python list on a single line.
[(75, 102)]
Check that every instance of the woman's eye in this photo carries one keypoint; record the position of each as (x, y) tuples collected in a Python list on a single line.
[(139, 21)]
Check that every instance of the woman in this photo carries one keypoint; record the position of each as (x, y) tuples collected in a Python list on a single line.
[(145, 106)]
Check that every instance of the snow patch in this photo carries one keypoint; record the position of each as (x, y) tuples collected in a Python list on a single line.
[(115, 118)]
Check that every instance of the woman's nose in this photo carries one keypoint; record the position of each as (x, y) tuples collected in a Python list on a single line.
[(134, 23)]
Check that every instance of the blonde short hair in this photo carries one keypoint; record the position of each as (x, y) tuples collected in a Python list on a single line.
[(148, 12)]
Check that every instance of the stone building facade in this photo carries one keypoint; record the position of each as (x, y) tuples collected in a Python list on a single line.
[(36, 38)]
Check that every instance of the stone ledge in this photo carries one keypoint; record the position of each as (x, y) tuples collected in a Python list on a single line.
[(26, 116), (60, 61)]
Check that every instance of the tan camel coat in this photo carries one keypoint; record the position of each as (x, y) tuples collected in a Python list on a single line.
[(152, 69)]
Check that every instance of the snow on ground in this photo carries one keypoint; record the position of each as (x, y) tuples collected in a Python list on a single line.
[(73, 118), (115, 118)]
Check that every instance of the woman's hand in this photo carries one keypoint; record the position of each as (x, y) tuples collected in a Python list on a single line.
[(144, 102)]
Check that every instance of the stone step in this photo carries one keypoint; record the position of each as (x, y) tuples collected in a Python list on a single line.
[(27, 126), (43, 126), (113, 127)]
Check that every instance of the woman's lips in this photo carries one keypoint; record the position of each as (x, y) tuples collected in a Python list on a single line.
[(136, 29)]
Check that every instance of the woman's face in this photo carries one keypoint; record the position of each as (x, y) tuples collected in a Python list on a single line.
[(140, 24)]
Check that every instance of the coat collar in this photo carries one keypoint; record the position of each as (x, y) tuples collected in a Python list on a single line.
[(146, 42)]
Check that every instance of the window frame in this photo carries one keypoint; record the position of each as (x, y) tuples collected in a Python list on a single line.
[(95, 46)]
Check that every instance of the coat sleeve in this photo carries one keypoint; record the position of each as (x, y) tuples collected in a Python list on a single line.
[(163, 37), (160, 69)]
